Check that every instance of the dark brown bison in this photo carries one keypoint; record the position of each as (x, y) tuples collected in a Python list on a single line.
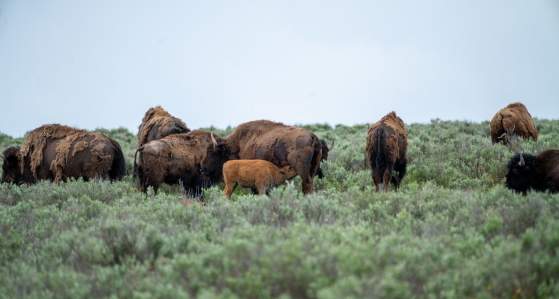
[(387, 143), (255, 174), (56, 153), (175, 159), (513, 119), (271, 141), (538, 173), (158, 123)]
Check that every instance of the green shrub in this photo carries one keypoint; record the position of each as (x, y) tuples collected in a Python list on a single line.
[(452, 230)]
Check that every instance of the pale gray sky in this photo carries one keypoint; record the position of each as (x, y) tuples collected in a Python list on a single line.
[(102, 63)]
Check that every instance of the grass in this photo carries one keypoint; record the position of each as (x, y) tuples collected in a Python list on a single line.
[(452, 230)]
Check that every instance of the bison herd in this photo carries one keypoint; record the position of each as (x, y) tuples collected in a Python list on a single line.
[(258, 154)]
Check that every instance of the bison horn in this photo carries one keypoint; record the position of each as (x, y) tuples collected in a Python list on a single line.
[(521, 162), (213, 139)]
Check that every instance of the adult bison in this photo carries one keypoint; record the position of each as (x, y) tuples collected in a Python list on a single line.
[(56, 152), (271, 141), (538, 173), (387, 143), (175, 159), (513, 119), (158, 123)]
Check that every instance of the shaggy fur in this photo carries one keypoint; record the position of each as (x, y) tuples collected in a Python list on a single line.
[(538, 173), (56, 153), (175, 159), (515, 119), (274, 142), (158, 123), (255, 174), (387, 143)]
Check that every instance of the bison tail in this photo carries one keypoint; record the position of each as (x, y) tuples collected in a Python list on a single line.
[(118, 168), (378, 158), (137, 168)]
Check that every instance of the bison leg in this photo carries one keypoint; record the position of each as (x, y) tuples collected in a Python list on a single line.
[(146, 183), (400, 168), (376, 180), (302, 162), (307, 184), (262, 189), (386, 177), (229, 188)]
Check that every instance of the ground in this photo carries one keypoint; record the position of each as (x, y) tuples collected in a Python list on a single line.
[(452, 230)]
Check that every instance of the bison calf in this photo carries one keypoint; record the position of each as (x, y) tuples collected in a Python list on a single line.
[(538, 173), (256, 174)]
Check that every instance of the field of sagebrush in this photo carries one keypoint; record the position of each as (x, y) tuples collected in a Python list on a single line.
[(452, 230)]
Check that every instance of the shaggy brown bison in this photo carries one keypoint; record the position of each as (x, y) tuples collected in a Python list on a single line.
[(56, 153), (255, 174), (538, 173), (175, 159), (271, 141), (158, 123), (387, 143), (513, 119)]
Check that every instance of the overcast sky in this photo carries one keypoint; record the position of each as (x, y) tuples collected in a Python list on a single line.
[(103, 63)]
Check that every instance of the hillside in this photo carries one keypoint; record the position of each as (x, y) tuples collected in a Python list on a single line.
[(452, 230)]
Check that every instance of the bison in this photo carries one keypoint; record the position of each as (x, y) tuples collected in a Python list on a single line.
[(271, 141), (513, 119), (175, 159), (158, 123), (56, 153), (255, 174), (538, 173), (387, 143)]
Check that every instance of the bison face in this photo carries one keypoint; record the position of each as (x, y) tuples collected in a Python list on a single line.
[(325, 149), (11, 171), (212, 164), (521, 172)]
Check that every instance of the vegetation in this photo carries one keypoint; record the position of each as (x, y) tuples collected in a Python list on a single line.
[(452, 230)]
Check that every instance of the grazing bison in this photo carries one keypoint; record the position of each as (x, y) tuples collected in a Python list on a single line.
[(255, 174), (387, 143), (158, 123), (538, 173), (513, 119), (175, 159), (271, 141), (56, 153)]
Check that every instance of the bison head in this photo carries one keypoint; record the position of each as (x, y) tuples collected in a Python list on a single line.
[(11, 171), (325, 149), (521, 172), (172, 126), (216, 155)]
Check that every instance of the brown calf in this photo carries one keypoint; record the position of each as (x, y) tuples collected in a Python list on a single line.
[(256, 174)]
